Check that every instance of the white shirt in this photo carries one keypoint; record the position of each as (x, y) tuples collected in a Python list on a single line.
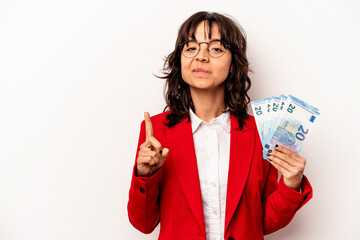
[(212, 148)]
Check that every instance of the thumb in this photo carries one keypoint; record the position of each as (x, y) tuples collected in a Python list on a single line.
[(165, 153)]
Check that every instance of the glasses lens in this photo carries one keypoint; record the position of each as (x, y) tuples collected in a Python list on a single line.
[(190, 49), (216, 48)]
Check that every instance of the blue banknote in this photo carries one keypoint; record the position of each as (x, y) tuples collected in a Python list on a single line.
[(288, 123)]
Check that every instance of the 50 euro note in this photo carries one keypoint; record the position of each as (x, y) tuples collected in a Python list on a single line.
[(292, 126)]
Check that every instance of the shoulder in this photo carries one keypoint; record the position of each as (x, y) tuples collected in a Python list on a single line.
[(252, 124), (250, 120), (159, 119), (248, 123)]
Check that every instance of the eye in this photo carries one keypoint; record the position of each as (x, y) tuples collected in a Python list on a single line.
[(217, 50), (191, 46), (190, 49)]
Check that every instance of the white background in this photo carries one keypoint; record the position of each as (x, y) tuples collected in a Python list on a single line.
[(76, 77)]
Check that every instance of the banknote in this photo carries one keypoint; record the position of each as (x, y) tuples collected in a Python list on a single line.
[(267, 116), (292, 126), (273, 112), (283, 120), (277, 113), (260, 112)]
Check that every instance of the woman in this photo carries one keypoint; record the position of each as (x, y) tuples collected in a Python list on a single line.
[(199, 169)]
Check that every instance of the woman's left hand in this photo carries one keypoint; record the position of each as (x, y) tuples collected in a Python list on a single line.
[(290, 164)]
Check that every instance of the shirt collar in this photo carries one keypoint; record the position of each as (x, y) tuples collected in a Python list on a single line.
[(223, 120)]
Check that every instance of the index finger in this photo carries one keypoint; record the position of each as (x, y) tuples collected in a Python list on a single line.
[(148, 125)]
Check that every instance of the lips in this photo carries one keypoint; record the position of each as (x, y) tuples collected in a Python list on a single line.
[(201, 70)]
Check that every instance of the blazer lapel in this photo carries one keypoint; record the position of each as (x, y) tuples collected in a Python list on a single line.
[(241, 154), (182, 151)]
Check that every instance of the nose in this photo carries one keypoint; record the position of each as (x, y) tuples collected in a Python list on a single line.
[(203, 54)]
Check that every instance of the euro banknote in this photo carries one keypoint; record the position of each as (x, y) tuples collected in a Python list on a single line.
[(260, 111), (283, 120)]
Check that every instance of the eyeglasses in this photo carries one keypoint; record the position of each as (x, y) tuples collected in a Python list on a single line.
[(216, 48)]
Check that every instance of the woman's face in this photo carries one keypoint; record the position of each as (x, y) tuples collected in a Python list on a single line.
[(203, 71)]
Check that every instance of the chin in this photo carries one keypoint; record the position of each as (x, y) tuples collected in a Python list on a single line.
[(201, 85)]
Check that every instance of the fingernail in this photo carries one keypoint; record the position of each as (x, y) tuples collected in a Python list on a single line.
[(269, 151), (276, 145), (268, 155)]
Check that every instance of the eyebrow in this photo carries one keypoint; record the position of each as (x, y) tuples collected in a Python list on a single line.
[(209, 41)]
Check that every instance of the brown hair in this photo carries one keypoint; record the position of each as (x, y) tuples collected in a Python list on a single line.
[(177, 92)]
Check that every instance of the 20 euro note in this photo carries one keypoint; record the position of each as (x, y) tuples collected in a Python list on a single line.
[(260, 111), (293, 126), (264, 111), (273, 113)]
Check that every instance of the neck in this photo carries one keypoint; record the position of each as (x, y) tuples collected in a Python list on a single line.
[(208, 104)]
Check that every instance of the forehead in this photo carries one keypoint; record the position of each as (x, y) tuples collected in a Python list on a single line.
[(204, 31)]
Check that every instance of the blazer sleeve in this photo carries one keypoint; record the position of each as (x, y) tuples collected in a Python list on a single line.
[(280, 203), (143, 204)]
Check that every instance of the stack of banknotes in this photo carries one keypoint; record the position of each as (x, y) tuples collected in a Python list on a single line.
[(283, 120)]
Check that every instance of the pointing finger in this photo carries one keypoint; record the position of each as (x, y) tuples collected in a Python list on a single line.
[(148, 125)]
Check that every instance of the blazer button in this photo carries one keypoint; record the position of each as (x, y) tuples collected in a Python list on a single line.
[(231, 238), (142, 190)]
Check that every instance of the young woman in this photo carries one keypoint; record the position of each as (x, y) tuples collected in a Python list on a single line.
[(199, 169)]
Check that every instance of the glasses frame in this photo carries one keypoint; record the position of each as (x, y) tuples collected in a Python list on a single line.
[(215, 40)]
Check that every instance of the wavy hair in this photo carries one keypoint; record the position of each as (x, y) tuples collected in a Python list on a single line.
[(177, 92)]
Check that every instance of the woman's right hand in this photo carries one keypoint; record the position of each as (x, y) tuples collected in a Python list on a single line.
[(151, 155)]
